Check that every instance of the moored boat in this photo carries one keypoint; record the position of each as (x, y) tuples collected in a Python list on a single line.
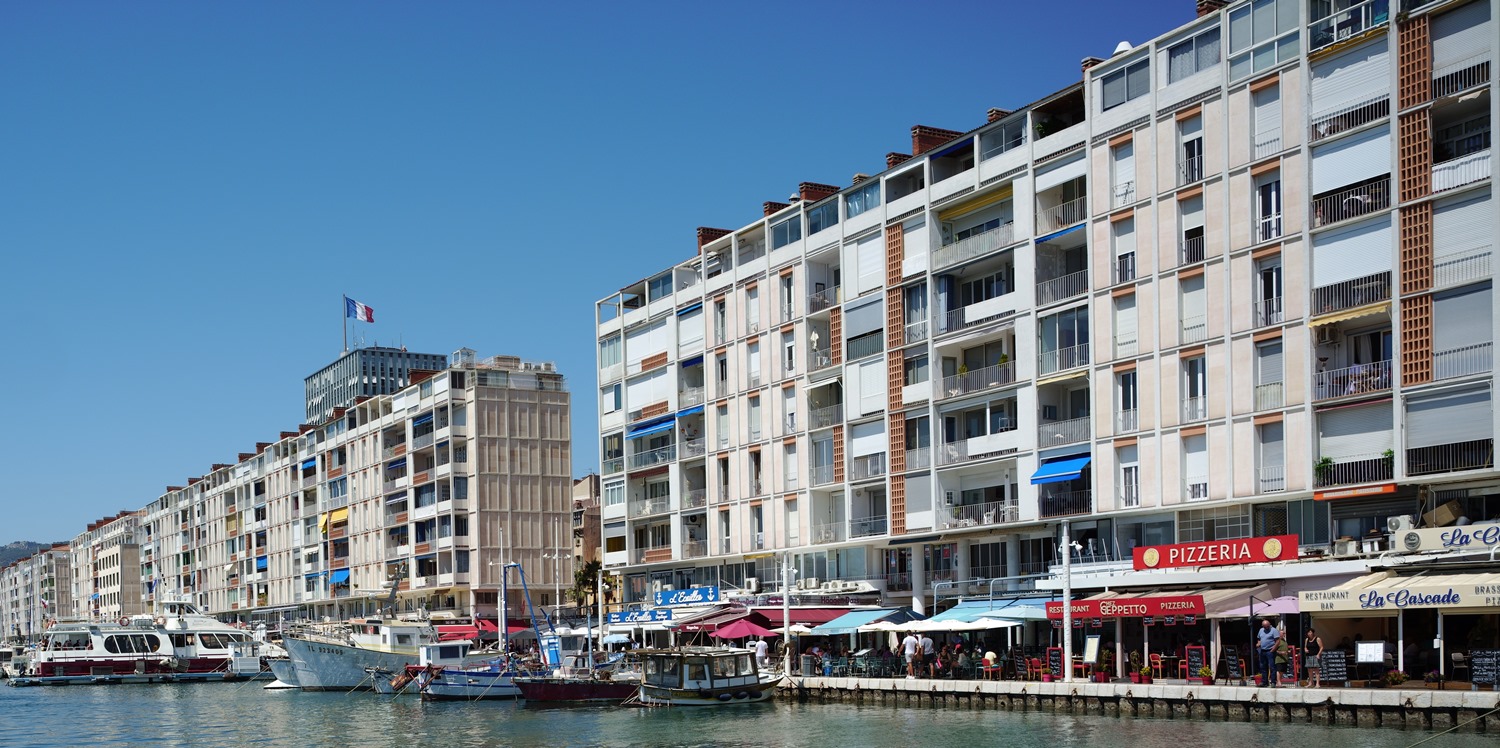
[(702, 676), (581, 680), (342, 658)]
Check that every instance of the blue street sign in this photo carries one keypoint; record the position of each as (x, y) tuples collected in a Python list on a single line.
[(690, 596)]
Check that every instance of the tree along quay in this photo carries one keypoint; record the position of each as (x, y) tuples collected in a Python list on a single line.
[(1471, 711)]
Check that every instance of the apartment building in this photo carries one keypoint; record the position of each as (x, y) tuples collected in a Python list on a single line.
[(412, 500), (105, 569), (364, 372), (1234, 282), (586, 539), (33, 591)]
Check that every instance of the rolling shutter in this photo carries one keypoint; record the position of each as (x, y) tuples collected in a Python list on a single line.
[(1352, 159), (1448, 418), (1461, 319), (1124, 237), (1124, 165), (1462, 34), (1362, 432), (1267, 113), (1272, 445), (872, 386), (1353, 252), (690, 327), (1460, 228), (1193, 299), (865, 318), (1355, 77), (871, 263), (1268, 364), (1195, 457), (867, 439), (1125, 318), (645, 342)]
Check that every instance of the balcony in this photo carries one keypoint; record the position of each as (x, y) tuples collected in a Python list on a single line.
[(695, 498), (1345, 24), (1194, 329), (612, 465), (690, 397), (1195, 488), (1062, 216), (1367, 468), (1190, 170), (867, 466), (979, 380), (1057, 433), (919, 458), (1460, 76), (974, 246), (695, 447), (1062, 359), (867, 527), (1270, 395), (989, 513), (653, 554), (974, 315), (1352, 202), (1126, 347), (1194, 409), (1123, 194), (822, 418), (1130, 495), (726, 546), (898, 582), (659, 456), (822, 475), (1349, 294), (1053, 290), (1451, 458), (1265, 228), (1190, 250), (1453, 270), (1124, 268), (1271, 478), (915, 332), (1359, 379), (1268, 312), (1457, 172), (1462, 362), (828, 532), (1127, 421), (1266, 143), (694, 548), (864, 345), (1065, 503), (822, 300), (1347, 116), (818, 359)]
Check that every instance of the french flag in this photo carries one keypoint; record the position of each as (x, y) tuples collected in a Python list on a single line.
[(356, 310)]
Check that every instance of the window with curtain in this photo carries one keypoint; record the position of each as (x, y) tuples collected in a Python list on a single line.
[(1193, 56)]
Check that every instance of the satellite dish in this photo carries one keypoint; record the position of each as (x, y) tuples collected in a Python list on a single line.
[(1123, 47)]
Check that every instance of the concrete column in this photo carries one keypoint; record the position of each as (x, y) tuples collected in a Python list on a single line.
[(961, 563), (1012, 562), (918, 589)]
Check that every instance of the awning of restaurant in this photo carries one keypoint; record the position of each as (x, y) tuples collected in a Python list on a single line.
[(1229, 602), (1385, 594), (1058, 471), (1131, 605), (850, 622), (1016, 608), (804, 616), (711, 620), (457, 633)]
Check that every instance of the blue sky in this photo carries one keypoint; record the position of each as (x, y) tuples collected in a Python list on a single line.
[(189, 188)]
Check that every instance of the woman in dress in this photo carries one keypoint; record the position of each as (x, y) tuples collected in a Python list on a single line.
[(1312, 649)]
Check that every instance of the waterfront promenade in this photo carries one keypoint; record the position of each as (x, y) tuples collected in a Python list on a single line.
[(1416, 707)]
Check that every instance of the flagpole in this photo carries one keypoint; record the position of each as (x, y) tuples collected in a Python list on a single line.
[(344, 320)]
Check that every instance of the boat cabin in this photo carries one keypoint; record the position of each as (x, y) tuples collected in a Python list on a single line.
[(699, 669)]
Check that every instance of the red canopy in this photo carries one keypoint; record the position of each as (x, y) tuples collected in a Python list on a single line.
[(457, 633), (804, 616), (741, 629)]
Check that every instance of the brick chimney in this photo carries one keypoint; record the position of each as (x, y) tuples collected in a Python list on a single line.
[(706, 235), (995, 114), (288, 434), (246, 455), (924, 138), (220, 466), (811, 192), (859, 177), (1089, 62), (892, 159), (771, 206), (1210, 6)]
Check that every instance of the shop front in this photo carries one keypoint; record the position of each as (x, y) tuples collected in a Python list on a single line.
[(1137, 630)]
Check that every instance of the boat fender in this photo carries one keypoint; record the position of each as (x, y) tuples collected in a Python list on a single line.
[(725, 697), (742, 695)]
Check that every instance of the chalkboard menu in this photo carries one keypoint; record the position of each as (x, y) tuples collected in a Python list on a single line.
[(1484, 666), (1019, 658), (1232, 664), (1195, 663), (1054, 661), (1335, 665)]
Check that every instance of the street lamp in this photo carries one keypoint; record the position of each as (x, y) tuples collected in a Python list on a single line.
[(556, 579)]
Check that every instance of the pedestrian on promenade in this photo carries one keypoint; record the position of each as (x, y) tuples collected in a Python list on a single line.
[(910, 646), (929, 656), (760, 652), (1312, 648), (1265, 650)]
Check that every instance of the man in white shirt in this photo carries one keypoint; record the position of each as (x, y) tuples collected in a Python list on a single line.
[(909, 648), (760, 652)]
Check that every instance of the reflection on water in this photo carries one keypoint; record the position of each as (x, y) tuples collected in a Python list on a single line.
[(240, 715)]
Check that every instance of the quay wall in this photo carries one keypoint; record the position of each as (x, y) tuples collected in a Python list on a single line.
[(1414, 708)]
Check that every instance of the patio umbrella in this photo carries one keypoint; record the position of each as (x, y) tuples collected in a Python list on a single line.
[(796, 628), (741, 629), (1276, 606)]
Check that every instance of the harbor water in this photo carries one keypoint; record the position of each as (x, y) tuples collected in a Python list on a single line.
[(247, 715)]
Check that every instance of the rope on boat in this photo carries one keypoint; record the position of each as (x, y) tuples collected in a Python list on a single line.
[(1455, 727)]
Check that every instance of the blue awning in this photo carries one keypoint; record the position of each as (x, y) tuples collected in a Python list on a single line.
[(961, 145), (690, 411), (310, 464), (260, 563), (694, 361), (338, 576), (653, 428), (396, 464), (1057, 234), (1013, 608), (421, 419), (690, 308), (1062, 470), (425, 556), (315, 574), (850, 622)]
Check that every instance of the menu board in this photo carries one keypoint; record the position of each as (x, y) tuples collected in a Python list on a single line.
[(1091, 649), (1195, 663), (1369, 653), (1335, 665), (1054, 661), (1232, 664), (1019, 658), (1484, 666)]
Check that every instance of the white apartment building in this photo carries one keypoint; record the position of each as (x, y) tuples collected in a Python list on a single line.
[(33, 591), (106, 570), (1235, 282)]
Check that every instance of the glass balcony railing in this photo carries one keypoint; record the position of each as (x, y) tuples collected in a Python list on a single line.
[(867, 527), (974, 246), (1346, 23)]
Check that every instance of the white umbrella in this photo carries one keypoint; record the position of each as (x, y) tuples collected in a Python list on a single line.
[(888, 626), (797, 628)]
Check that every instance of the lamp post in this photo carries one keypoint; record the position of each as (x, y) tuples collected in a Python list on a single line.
[(1067, 601)]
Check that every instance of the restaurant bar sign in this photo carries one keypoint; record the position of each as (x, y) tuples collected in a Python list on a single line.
[(1217, 552), (1388, 598), (1131, 607), (690, 596), (655, 615)]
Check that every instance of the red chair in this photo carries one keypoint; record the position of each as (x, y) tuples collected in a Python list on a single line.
[(1156, 666), (1034, 668)]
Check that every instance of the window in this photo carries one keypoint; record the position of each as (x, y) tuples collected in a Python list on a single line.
[(609, 398), (609, 352), (788, 308), (1193, 56), (822, 217), (1194, 389), (788, 353), (1192, 247), (1266, 121), (1268, 375), (1193, 311), (786, 232), (1125, 326), (1262, 34), (1271, 467), (1190, 155), (1127, 402), (985, 287), (1122, 232), (1122, 169), (1125, 84), (916, 370), (1462, 138), (614, 494), (659, 287), (1130, 476), (1003, 138), (1268, 292), (1195, 467), (1220, 523), (1267, 207), (862, 199), (752, 364)]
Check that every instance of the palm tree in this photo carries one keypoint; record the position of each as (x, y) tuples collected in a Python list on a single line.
[(583, 581)]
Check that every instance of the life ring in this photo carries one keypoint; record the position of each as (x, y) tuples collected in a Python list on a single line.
[(124, 621)]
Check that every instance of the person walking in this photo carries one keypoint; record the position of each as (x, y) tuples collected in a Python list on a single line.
[(1312, 649), (1265, 651), (929, 656), (910, 646), (761, 648)]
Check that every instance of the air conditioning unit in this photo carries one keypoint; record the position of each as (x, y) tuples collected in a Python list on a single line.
[(1327, 335), (658, 585), (1400, 524), (694, 520), (752, 585), (1346, 547), (810, 583)]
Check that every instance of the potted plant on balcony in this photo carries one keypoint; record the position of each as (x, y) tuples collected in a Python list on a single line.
[(1206, 674), (1324, 469)]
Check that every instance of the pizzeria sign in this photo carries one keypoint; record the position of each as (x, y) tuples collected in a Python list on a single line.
[(1131, 607), (1217, 552)]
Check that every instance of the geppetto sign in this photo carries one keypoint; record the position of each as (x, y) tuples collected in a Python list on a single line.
[(1217, 552), (1387, 598), (1131, 607), (1471, 537)]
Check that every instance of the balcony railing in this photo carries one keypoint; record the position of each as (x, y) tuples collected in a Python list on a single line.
[(612, 465), (1062, 359), (1349, 294), (974, 246), (989, 513), (1127, 421), (695, 498), (1461, 362), (1268, 312), (1266, 143), (644, 507), (695, 447), (822, 475), (898, 582), (960, 318), (1194, 329), (867, 527), (788, 311), (726, 546), (653, 554), (659, 456), (1194, 409), (1063, 215), (822, 418), (1271, 478), (1126, 347), (829, 532), (1057, 433), (822, 300), (919, 458), (1123, 194), (1348, 116), (916, 331), (1190, 250), (1460, 76), (1270, 395), (694, 548), (1368, 468), (1189, 170), (1130, 495), (979, 379), (1461, 268), (1457, 172), (867, 466), (820, 358), (865, 345), (1346, 23), (1053, 290), (690, 397), (1124, 268), (1195, 488), (1065, 503), (1359, 379), (1450, 458), (1352, 202)]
